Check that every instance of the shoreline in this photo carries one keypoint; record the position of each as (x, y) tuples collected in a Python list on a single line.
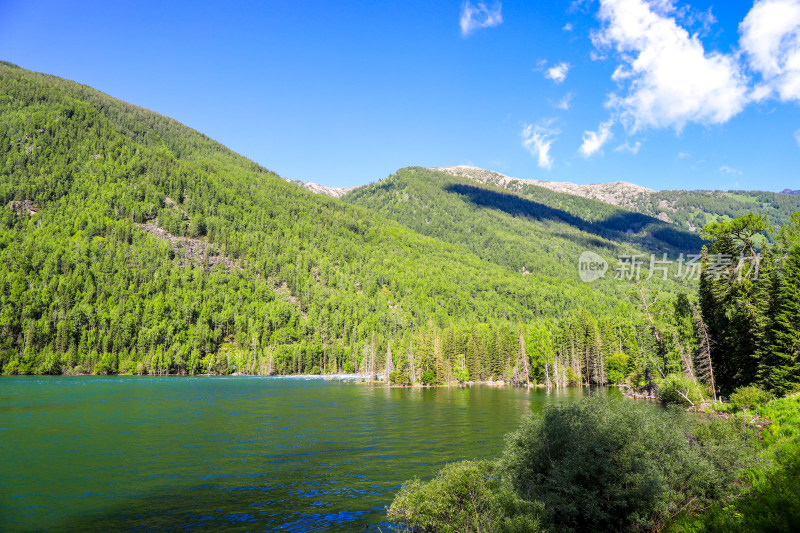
[(356, 378)]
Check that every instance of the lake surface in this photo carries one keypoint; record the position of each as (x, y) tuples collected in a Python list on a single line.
[(233, 453)]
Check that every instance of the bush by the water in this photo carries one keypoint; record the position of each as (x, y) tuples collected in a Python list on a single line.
[(600, 464), (617, 465), (428, 377), (773, 502), (399, 378), (464, 497), (749, 398), (680, 390)]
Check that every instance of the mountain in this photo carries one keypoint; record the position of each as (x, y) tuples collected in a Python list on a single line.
[(131, 243), (620, 193), (333, 192), (689, 210), (538, 231)]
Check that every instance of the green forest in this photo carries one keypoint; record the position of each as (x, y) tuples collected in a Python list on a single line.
[(132, 244)]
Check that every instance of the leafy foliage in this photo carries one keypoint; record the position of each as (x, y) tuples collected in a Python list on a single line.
[(772, 502), (680, 390), (609, 464), (601, 464), (749, 398), (466, 497)]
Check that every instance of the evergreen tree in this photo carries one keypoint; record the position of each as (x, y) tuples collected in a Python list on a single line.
[(780, 364)]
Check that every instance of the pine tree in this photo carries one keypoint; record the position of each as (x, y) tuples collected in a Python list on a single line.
[(780, 367), (474, 357), (438, 359)]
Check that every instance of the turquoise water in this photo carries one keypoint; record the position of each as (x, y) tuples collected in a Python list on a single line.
[(233, 453)]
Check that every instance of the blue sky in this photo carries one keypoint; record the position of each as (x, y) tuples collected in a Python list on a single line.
[(663, 94)]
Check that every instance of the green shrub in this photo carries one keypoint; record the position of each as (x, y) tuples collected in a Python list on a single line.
[(427, 378), (464, 497), (462, 374), (617, 366), (749, 398), (773, 502), (772, 505), (315, 371), (605, 464), (680, 390), (10, 368), (399, 378)]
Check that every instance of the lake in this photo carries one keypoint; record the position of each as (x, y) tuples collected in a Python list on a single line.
[(234, 453)]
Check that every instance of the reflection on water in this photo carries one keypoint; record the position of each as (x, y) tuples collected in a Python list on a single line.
[(233, 453)]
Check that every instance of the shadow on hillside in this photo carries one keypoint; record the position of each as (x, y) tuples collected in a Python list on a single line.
[(620, 227)]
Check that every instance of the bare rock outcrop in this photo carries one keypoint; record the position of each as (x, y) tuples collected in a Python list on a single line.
[(620, 193)]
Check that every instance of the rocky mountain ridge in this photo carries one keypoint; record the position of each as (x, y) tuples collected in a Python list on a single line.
[(619, 193), (333, 192)]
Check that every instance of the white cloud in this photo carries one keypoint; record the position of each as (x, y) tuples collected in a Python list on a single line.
[(725, 169), (683, 155), (479, 15), (797, 137), (667, 77), (557, 73), (705, 19), (594, 55), (594, 140), (770, 40), (567, 26), (565, 102), (537, 139), (627, 147)]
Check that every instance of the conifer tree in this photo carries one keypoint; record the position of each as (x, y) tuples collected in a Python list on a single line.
[(780, 366)]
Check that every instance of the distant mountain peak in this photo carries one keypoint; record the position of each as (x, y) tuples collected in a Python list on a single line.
[(333, 192), (619, 193), (790, 191)]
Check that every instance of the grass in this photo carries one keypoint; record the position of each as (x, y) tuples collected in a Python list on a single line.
[(743, 198), (784, 414)]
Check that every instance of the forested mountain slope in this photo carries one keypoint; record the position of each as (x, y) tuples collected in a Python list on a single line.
[(130, 243), (695, 209), (689, 210), (542, 232)]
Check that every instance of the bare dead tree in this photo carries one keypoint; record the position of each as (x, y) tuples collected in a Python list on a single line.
[(373, 363), (523, 359), (389, 362), (411, 362), (656, 334), (703, 367), (686, 361), (546, 370), (659, 341)]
